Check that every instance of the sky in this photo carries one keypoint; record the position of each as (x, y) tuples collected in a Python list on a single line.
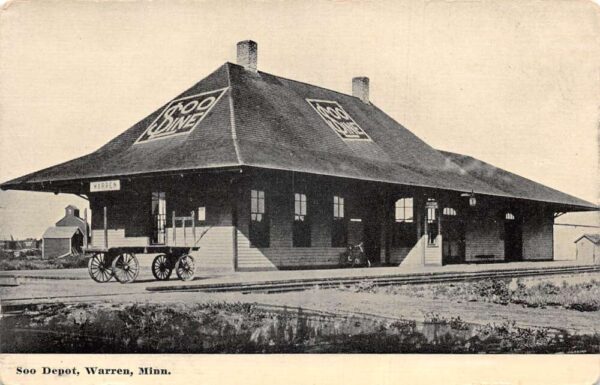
[(513, 83)]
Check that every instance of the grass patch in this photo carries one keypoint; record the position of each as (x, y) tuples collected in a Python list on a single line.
[(32, 260), (583, 296), (244, 328)]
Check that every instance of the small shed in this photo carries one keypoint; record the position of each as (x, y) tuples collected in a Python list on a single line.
[(59, 241), (588, 248)]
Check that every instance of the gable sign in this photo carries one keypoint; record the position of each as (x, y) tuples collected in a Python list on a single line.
[(338, 119), (181, 116)]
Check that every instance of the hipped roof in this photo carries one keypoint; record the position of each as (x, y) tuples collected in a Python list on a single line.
[(265, 121)]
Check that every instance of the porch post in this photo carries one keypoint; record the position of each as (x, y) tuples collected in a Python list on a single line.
[(236, 195), (440, 212), (417, 210), (85, 235), (105, 227), (184, 239), (387, 217), (192, 214), (423, 227), (174, 228)]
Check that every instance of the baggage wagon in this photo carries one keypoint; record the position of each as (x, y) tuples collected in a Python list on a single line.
[(122, 263)]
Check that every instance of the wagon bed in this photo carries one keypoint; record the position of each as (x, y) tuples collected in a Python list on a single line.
[(150, 249)]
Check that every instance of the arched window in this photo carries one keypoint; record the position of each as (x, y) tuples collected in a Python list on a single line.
[(404, 210), (509, 217), (449, 211)]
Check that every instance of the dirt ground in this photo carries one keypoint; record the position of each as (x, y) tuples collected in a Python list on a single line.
[(401, 306)]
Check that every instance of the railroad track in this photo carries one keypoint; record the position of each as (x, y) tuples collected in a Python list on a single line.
[(398, 279)]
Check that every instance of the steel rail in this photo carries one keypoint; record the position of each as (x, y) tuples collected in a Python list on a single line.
[(405, 279)]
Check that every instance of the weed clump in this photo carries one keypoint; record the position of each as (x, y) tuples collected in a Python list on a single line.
[(580, 296), (244, 328)]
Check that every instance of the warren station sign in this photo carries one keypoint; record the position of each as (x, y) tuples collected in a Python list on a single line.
[(105, 185), (181, 116)]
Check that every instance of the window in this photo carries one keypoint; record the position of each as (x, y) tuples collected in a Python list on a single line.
[(159, 217), (301, 227), (299, 207), (338, 207), (449, 211), (257, 205), (432, 222), (201, 214), (259, 224), (509, 217), (405, 230), (339, 230), (404, 210)]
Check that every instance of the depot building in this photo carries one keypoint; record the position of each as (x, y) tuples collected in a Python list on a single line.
[(264, 172)]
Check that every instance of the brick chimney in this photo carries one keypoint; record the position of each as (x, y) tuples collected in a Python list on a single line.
[(360, 88), (247, 54)]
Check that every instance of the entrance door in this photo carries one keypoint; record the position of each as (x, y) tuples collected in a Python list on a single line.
[(372, 238), (159, 218), (513, 239), (453, 238)]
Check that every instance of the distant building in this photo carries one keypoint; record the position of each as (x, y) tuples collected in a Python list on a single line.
[(72, 218), (588, 248), (61, 241), (30, 243), (11, 244), (67, 236)]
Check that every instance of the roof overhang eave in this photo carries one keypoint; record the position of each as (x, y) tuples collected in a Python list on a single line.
[(568, 207), (67, 185)]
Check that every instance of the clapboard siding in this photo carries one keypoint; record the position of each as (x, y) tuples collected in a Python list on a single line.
[(117, 238), (216, 249), (410, 256), (398, 254), (129, 218), (254, 258), (280, 257), (280, 209), (538, 233), (56, 247), (483, 236), (368, 208)]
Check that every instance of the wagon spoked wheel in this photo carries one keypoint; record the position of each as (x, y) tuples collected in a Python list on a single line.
[(161, 267), (185, 267), (99, 268), (126, 268)]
